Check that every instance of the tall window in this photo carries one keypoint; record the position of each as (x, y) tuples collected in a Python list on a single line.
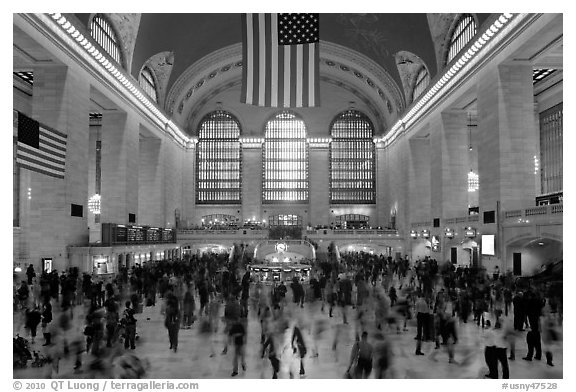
[(551, 149), (103, 33), (463, 33), (352, 159), (285, 160), (147, 83), (422, 80), (218, 160)]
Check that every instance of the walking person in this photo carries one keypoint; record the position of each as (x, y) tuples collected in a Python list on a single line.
[(361, 355), (188, 309), (46, 322), (129, 323), (172, 320), (495, 351), (299, 348), (237, 334), (271, 346), (33, 318)]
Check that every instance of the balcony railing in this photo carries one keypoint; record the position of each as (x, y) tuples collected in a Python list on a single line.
[(552, 209)]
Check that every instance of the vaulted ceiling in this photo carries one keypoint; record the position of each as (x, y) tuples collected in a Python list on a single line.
[(193, 36), (373, 58)]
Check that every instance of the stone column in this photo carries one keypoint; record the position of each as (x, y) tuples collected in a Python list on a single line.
[(150, 185), (172, 172), (120, 158), (419, 181), (60, 100), (252, 182), (507, 137), (380, 186), (189, 190), (319, 185)]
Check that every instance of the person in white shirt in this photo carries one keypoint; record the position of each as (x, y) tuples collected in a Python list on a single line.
[(495, 351)]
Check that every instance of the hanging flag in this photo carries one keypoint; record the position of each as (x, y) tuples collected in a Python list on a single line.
[(40, 148), (280, 60)]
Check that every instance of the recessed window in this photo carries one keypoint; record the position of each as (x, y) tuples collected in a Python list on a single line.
[(551, 151), (26, 76), (422, 81), (103, 33), (463, 33), (540, 74), (147, 83), (218, 160), (285, 160), (352, 159)]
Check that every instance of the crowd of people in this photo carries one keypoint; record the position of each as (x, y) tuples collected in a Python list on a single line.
[(376, 296)]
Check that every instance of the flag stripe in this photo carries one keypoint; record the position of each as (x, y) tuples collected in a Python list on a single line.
[(287, 85), (25, 150), (262, 58), (244, 56), (40, 169), (293, 70), (248, 62), (274, 61), (48, 142), (310, 76), (299, 76), (316, 66), (268, 62), (49, 150), (25, 158), (306, 76), (53, 133), (281, 87)]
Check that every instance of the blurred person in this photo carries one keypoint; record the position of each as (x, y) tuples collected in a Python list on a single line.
[(299, 347), (495, 351), (172, 320), (361, 354), (237, 334), (129, 323)]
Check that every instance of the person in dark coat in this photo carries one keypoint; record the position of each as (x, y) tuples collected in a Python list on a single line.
[(46, 320), (30, 273), (172, 320), (33, 318), (519, 311)]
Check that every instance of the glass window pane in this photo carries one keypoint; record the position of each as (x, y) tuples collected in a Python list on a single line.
[(352, 157), (218, 157), (285, 158)]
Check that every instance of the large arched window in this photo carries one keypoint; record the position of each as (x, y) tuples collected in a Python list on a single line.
[(147, 83), (285, 160), (103, 33), (218, 160), (352, 163), (422, 81), (462, 34)]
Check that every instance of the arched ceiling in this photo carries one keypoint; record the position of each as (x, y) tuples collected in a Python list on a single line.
[(193, 36), (374, 40)]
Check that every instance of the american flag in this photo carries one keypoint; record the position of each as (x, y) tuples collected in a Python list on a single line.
[(280, 60), (40, 148)]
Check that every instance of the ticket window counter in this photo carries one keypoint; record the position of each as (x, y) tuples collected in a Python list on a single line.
[(101, 265), (276, 276)]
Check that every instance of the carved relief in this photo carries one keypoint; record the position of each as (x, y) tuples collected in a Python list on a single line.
[(408, 66), (161, 64)]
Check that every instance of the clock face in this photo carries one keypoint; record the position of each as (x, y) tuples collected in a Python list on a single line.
[(281, 248)]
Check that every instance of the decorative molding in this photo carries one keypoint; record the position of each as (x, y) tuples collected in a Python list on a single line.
[(226, 64)]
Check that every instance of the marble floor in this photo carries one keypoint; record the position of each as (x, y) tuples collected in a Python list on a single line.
[(193, 359)]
